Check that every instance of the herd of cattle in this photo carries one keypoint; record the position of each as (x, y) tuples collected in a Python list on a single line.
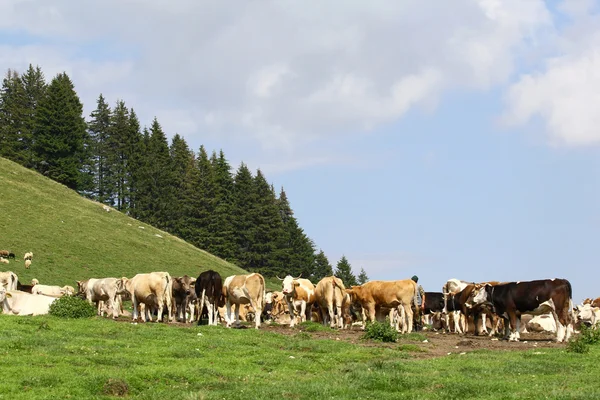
[(461, 307)]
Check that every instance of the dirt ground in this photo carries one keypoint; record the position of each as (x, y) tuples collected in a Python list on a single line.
[(437, 344)]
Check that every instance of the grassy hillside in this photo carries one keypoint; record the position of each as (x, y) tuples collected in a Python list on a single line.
[(73, 238)]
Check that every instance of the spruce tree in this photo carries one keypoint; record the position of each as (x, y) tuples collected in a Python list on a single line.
[(322, 268), (136, 154), (221, 222), (344, 272), (118, 153), (244, 199), (99, 131), (60, 132), (12, 116), (362, 277)]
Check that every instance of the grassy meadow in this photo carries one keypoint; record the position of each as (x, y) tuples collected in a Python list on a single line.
[(73, 238), (47, 357)]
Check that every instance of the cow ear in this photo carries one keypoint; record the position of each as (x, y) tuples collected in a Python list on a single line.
[(296, 283)]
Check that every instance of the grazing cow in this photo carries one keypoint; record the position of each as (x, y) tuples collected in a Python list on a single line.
[(105, 293), (48, 290), (154, 289), (21, 303), (330, 298), (11, 255), (27, 264), (298, 294), (401, 294), (4, 261), (182, 288), (28, 256), (532, 297), (209, 291), (4, 253), (9, 280), (244, 289)]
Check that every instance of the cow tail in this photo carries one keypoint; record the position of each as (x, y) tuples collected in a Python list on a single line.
[(570, 293), (169, 292)]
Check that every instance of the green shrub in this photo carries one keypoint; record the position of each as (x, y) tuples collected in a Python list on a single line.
[(381, 331), (72, 307), (588, 336)]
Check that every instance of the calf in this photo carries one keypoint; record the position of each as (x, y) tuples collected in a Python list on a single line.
[(182, 288), (532, 297)]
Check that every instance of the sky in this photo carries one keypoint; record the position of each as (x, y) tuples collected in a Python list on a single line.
[(443, 139)]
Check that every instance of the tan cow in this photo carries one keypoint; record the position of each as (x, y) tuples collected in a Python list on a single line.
[(48, 290), (401, 294), (330, 297), (244, 289), (15, 302), (298, 294), (9, 280), (154, 289), (105, 293)]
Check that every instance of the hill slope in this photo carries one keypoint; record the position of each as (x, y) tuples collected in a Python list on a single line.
[(74, 238)]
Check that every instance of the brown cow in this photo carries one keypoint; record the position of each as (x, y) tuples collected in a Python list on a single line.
[(182, 289), (330, 298), (298, 293), (509, 300), (244, 289), (401, 294)]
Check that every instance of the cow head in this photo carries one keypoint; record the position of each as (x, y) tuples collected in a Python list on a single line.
[(289, 284), (123, 285), (34, 282), (479, 295), (587, 314), (184, 283)]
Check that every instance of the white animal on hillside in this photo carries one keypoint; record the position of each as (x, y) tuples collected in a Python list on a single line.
[(28, 256), (27, 264), (15, 302), (4, 261), (106, 208), (48, 290)]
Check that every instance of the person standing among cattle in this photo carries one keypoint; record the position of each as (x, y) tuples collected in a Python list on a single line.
[(420, 306)]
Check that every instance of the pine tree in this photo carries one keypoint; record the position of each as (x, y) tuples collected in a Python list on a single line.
[(181, 161), (136, 153), (155, 195), (344, 272), (362, 277), (99, 131), (60, 133), (12, 116), (221, 222), (35, 88), (322, 267), (117, 147), (244, 199)]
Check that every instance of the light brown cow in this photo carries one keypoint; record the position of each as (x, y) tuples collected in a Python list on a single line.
[(4, 261), (299, 293), (154, 289), (244, 289), (330, 297), (399, 294), (9, 280), (105, 293), (48, 290)]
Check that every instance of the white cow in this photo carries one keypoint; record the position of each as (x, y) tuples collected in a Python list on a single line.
[(588, 314), (9, 280), (541, 323), (48, 290), (154, 290), (239, 290), (15, 302), (100, 291)]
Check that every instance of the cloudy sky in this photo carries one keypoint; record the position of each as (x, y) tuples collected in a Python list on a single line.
[(438, 138)]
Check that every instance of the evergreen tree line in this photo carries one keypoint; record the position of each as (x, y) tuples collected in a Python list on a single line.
[(236, 215)]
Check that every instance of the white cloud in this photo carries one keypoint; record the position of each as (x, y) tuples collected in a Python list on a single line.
[(565, 94), (283, 74)]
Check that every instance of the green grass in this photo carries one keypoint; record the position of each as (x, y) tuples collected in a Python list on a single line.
[(48, 357), (73, 238)]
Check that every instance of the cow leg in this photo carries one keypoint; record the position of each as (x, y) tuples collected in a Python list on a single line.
[(184, 307), (228, 316), (134, 303), (302, 311), (211, 315), (457, 327), (324, 315), (408, 318), (513, 327), (290, 305), (484, 329), (560, 328), (237, 314)]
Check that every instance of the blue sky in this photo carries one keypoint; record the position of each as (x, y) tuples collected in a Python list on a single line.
[(447, 140)]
